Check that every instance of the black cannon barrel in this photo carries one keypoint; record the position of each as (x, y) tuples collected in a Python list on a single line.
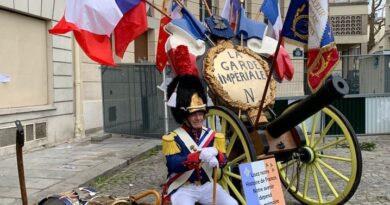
[(334, 88)]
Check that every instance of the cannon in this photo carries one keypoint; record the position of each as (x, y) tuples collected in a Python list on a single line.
[(282, 134)]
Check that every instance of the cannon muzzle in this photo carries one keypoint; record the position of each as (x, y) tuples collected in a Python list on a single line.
[(334, 88)]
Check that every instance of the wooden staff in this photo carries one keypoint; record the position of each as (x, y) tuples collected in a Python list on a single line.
[(215, 185), (19, 160)]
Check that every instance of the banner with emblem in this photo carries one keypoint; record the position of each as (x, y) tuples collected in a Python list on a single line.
[(307, 22), (295, 25), (322, 51)]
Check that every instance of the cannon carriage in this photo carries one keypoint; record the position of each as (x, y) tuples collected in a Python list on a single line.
[(315, 166)]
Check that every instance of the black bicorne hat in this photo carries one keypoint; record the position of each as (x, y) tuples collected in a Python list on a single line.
[(186, 93)]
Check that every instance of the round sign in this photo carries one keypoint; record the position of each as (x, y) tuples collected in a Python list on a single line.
[(237, 76)]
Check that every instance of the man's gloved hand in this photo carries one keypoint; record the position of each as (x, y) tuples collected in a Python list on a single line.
[(213, 162), (207, 153), (192, 161)]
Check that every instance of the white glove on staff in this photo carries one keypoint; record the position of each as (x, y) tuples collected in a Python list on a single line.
[(213, 162), (206, 154)]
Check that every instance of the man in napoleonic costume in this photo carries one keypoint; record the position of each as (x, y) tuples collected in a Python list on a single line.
[(191, 151)]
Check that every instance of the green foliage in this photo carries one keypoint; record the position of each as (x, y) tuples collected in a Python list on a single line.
[(367, 146), (99, 181), (364, 146)]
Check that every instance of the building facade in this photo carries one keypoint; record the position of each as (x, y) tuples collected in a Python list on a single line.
[(56, 91)]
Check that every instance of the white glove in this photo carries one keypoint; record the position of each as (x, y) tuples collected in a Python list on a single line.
[(207, 153), (213, 162)]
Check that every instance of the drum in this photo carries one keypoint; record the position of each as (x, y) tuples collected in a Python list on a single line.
[(107, 200), (61, 199)]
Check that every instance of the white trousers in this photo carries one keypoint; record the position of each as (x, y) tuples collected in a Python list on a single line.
[(190, 194)]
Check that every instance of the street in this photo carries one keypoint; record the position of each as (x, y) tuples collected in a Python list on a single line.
[(150, 172)]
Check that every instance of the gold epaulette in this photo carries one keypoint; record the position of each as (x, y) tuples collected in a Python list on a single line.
[(169, 145), (219, 142)]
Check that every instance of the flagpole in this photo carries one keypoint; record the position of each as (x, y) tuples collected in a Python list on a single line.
[(271, 70), (242, 35), (180, 4), (158, 9), (257, 17), (207, 7)]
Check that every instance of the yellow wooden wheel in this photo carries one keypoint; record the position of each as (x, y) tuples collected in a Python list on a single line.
[(328, 169), (239, 148)]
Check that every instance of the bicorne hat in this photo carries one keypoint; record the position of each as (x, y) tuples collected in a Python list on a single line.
[(186, 93)]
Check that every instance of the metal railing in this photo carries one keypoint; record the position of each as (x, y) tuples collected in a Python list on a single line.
[(365, 74), (132, 103)]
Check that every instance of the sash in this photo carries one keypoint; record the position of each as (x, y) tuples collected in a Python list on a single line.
[(206, 136)]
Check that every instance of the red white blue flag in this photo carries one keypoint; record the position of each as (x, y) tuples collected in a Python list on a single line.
[(271, 10), (190, 24), (283, 67), (230, 11), (307, 21), (93, 21)]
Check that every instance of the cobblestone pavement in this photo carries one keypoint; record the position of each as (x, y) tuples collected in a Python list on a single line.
[(150, 172)]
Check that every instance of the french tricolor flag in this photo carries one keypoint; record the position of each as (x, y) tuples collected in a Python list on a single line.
[(93, 21), (271, 10), (283, 67)]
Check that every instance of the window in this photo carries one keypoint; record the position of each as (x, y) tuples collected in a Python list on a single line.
[(23, 57)]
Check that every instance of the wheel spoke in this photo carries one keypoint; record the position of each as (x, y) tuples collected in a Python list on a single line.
[(288, 164), (331, 187), (318, 188), (223, 126), (323, 133), (212, 119), (334, 157), (335, 142), (305, 185), (333, 170), (236, 160), (304, 130), (294, 177), (224, 185), (232, 141), (231, 174), (235, 191), (313, 128)]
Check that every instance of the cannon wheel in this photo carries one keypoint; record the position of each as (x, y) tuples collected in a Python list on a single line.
[(239, 148), (328, 169)]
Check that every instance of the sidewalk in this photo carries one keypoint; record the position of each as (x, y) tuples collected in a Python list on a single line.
[(68, 166)]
